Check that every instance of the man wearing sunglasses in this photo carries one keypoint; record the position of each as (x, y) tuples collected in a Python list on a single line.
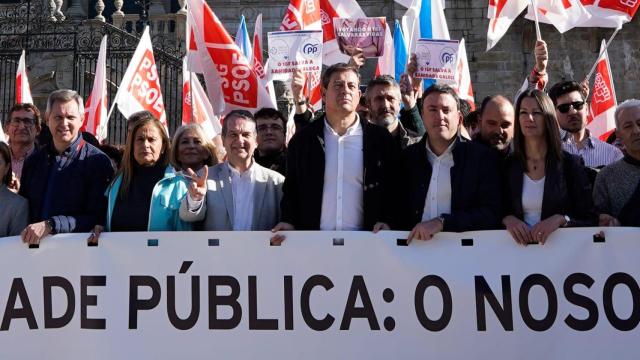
[(571, 110)]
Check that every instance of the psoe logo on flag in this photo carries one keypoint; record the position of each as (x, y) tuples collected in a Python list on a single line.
[(601, 92), (238, 86), (310, 6), (629, 3), (144, 86)]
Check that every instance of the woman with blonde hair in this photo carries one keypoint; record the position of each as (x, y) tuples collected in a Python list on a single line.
[(146, 193)]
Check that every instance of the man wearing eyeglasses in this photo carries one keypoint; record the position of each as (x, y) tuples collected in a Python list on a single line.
[(271, 152), (22, 126), (571, 111)]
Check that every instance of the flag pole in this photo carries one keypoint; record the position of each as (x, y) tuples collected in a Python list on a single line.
[(191, 92), (606, 46), (535, 15)]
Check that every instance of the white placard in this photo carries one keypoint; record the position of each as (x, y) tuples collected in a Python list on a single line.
[(291, 50), (437, 60)]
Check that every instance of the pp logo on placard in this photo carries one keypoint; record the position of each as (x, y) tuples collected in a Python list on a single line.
[(447, 56), (311, 48)]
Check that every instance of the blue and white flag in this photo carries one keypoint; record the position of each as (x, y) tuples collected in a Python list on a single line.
[(400, 49), (242, 39)]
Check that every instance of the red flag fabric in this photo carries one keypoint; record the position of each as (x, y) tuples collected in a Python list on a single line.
[(610, 13), (196, 108), (95, 110), (258, 61), (23, 91), (564, 14), (501, 14), (227, 71), (603, 100), (140, 86)]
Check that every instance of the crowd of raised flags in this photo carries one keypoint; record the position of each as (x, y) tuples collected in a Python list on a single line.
[(234, 69)]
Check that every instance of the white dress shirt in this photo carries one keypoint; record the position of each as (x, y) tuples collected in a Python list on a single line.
[(532, 194), (242, 186), (342, 196), (438, 199)]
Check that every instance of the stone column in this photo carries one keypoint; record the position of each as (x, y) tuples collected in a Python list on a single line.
[(118, 16), (181, 22), (99, 10)]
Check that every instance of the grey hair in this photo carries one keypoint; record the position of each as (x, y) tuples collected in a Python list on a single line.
[(65, 95), (627, 104)]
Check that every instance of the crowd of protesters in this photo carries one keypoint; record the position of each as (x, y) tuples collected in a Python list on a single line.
[(393, 158)]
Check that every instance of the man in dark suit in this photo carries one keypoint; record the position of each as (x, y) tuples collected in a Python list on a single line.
[(452, 184), (341, 169)]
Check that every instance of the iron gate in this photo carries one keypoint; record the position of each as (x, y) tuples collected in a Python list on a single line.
[(27, 25)]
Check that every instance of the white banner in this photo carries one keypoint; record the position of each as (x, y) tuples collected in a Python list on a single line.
[(321, 295), (292, 50), (437, 59)]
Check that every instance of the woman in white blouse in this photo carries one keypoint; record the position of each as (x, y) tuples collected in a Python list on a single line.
[(546, 187)]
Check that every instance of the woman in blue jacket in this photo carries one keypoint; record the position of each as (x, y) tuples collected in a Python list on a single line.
[(146, 193)]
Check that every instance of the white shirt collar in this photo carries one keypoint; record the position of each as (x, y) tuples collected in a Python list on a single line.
[(354, 129), (235, 172), (447, 152)]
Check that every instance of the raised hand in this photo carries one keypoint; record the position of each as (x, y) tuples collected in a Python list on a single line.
[(198, 184)]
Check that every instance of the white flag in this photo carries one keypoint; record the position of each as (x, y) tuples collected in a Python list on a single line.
[(23, 91), (95, 110)]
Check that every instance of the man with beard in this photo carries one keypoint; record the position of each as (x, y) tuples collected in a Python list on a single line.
[(383, 100), (571, 111), (616, 193), (271, 151), (496, 124)]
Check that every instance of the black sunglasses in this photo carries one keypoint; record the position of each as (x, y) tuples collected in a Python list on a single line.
[(564, 108)]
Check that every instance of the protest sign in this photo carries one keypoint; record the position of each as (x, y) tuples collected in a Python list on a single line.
[(292, 50), (437, 59), (367, 34), (321, 295)]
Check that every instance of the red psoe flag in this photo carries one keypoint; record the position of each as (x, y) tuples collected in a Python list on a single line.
[(95, 110), (258, 61), (226, 70), (140, 86), (196, 108), (23, 91), (610, 13), (603, 105), (463, 76)]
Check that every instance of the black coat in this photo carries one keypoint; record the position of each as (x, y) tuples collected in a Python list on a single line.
[(475, 187), (567, 190), (304, 183)]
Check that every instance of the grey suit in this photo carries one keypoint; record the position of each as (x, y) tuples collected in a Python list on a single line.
[(217, 211), (14, 213)]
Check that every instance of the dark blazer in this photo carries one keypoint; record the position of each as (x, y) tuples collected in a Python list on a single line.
[(475, 187), (304, 183), (567, 190)]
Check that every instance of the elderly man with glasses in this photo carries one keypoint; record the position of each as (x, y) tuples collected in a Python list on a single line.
[(571, 111)]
